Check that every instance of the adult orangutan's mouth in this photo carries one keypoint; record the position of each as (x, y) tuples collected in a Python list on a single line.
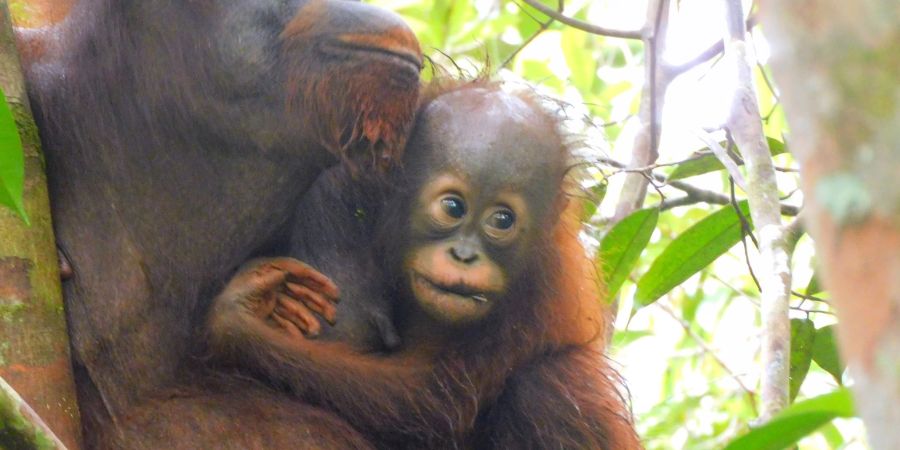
[(396, 55)]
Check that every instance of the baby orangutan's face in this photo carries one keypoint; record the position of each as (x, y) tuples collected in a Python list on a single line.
[(480, 201)]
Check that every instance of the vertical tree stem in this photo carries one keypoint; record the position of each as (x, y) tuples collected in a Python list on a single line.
[(645, 147), (773, 269), (34, 345)]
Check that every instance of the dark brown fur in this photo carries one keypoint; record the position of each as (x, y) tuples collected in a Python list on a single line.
[(176, 132)]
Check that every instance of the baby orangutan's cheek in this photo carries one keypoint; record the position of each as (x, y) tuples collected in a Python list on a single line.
[(449, 291)]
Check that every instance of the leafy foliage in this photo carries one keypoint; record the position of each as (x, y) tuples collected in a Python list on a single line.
[(621, 247), (696, 248), (12, 162), (797, 421), (825, 353), (803, 334), (688, 333)]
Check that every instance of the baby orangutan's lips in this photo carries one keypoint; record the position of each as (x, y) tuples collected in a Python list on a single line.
[(458, 289)]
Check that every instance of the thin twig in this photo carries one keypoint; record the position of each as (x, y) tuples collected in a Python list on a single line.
[(709, 351), (584, 26), (749, 297), (543, 27), (709, 53), (702, 195)]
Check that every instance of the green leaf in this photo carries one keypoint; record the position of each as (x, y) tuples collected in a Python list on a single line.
[(621, 247), (12, 162), (625, 337), (706, 162), (813, 287), (592, 200), (825, 353), (832, 436), (796, 421), (575, 45), (691, 251), (803, 334)]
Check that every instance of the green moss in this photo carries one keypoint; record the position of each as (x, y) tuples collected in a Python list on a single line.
[(11, 310), (845, 197)]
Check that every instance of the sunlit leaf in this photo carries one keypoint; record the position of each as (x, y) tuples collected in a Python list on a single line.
[(813, 288), (621, 247), (694, 249), (803, 334), (705, 162), (625, 337), (12, 162), (832, 435), (825, 353), (796, 421), (595, 195), (575, 47)]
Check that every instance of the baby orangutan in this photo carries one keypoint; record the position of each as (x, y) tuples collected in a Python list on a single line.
[(499, 319)]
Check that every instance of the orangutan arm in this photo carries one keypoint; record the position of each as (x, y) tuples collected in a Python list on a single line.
[(566, 399), (394, 396)]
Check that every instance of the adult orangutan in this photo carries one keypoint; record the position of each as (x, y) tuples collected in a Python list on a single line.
[(499, 319), (175, 134)]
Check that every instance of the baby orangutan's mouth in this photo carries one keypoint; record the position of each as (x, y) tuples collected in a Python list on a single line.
[(457, 289)]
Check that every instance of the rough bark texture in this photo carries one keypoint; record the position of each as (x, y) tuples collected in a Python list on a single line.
[(34, 348), (838, 63), (773, 266)]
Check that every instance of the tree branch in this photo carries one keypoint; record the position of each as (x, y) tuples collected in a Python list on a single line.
[(711, 52), (584, 26), (745, 126), (645, 147), (22, 427)]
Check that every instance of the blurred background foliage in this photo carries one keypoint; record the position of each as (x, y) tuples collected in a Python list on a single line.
[(690, 356)]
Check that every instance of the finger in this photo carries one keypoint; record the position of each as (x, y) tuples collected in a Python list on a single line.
[(295, 321), (287, 326), (297, 312), (305, 274), (313, 300)]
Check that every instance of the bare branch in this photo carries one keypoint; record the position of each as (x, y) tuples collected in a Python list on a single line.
[(745, 126), (645, 146), (711, 52), (693, 192), (544, 25), (22, 426), (584, 26)]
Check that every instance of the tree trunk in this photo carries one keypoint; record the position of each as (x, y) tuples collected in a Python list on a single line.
[(838, 64), (34, 346)]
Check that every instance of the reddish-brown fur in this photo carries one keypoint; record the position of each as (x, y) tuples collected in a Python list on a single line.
[(533, 376)]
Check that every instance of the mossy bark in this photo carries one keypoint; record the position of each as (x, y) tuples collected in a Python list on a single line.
[(838, 65), (34, 346)]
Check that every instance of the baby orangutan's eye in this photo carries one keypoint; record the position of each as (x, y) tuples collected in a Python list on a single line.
[(502, 220), (500, 224), (453, 206)]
